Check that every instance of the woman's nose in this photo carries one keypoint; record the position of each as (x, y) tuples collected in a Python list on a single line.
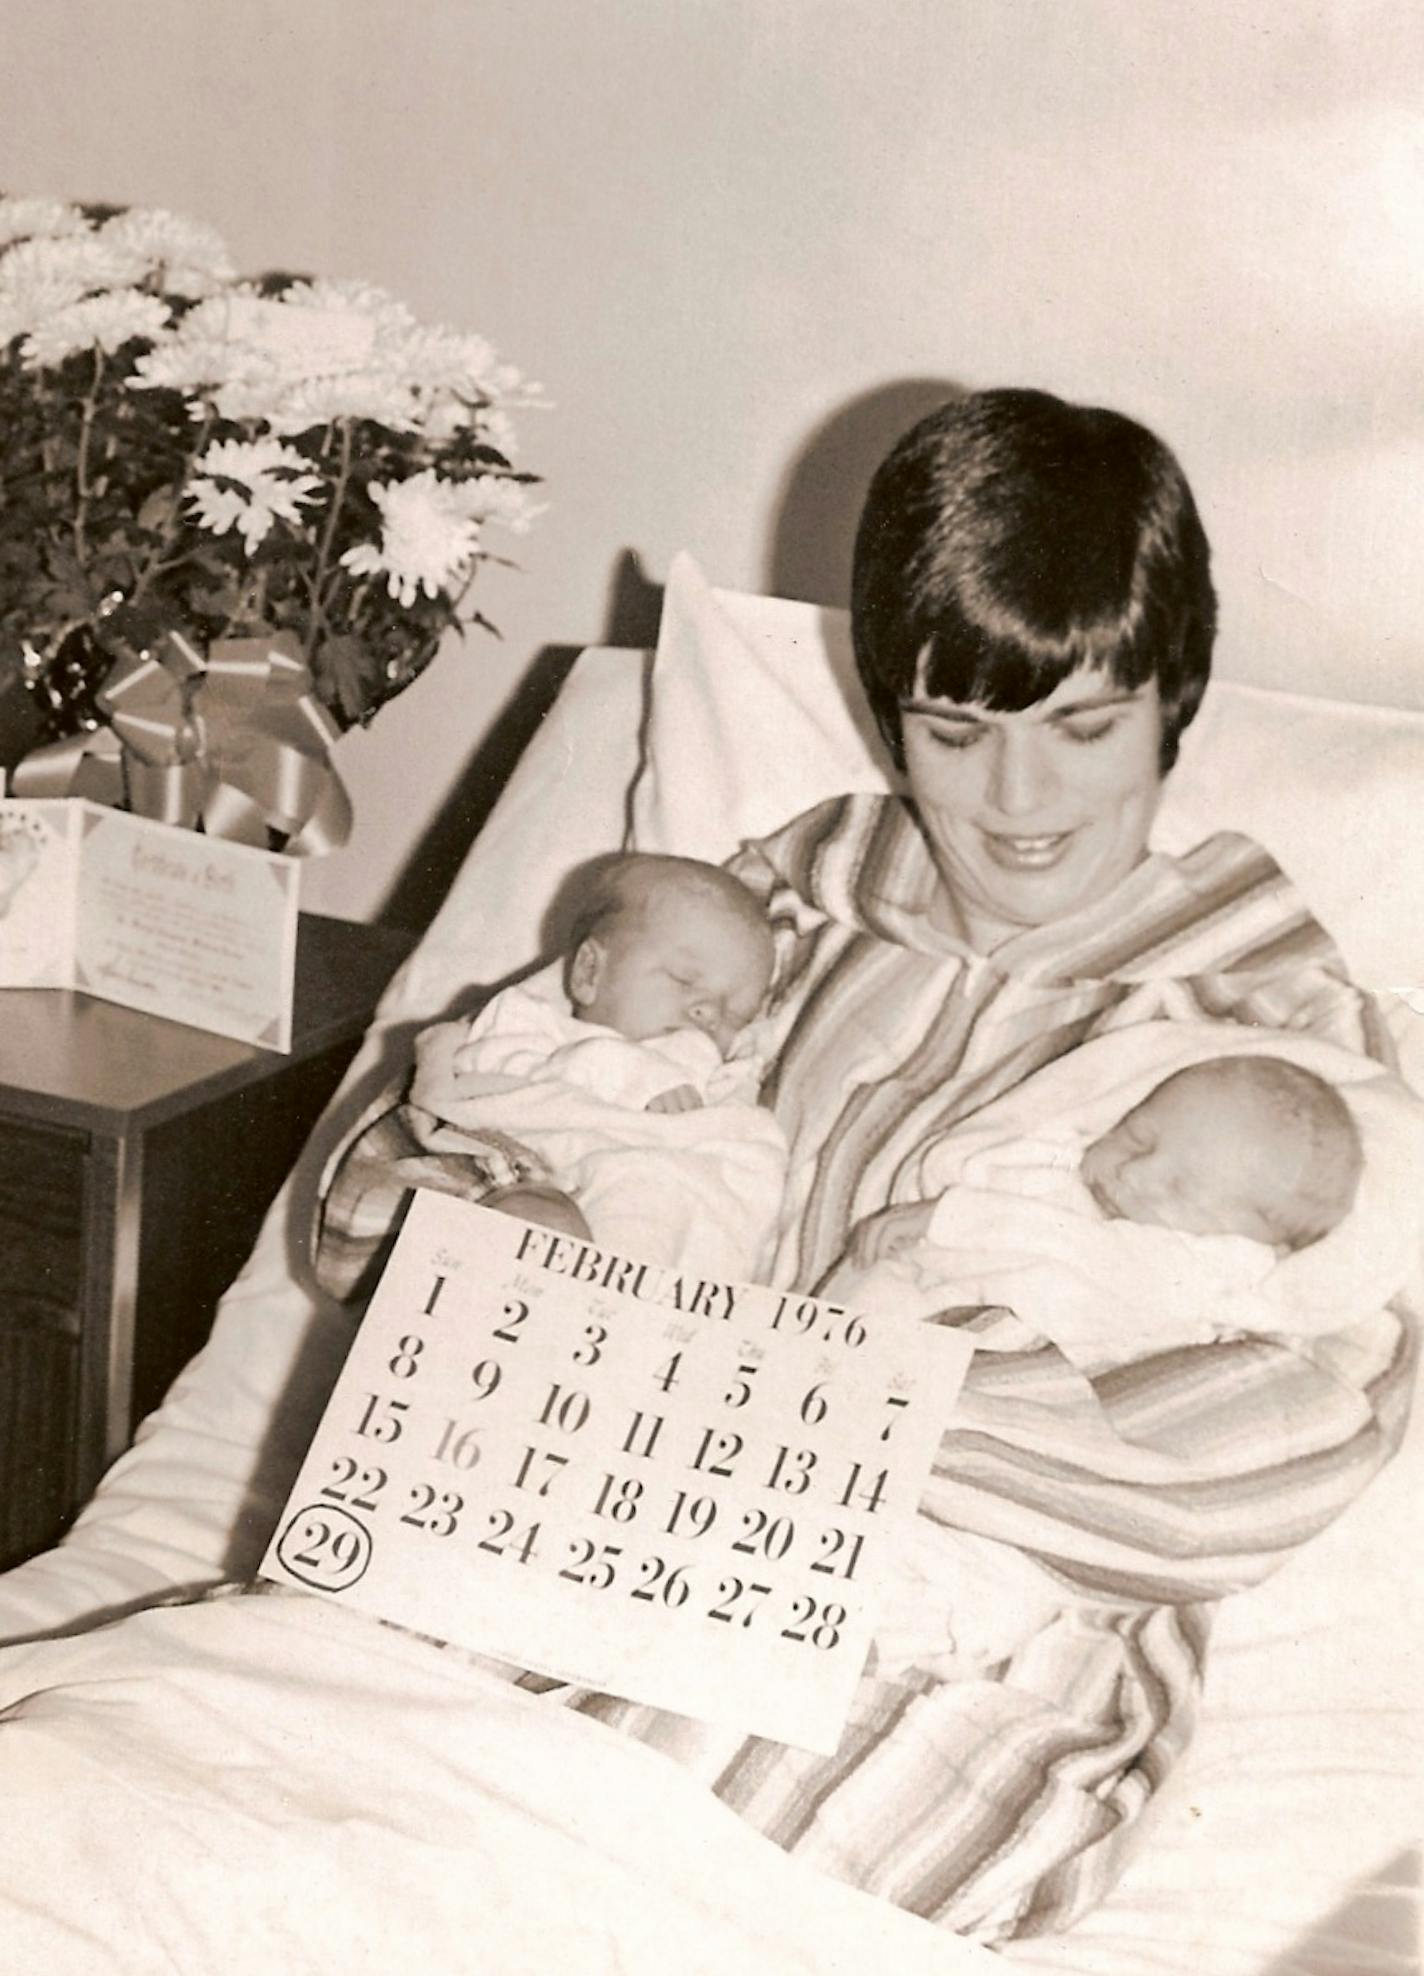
[(1023, 778)]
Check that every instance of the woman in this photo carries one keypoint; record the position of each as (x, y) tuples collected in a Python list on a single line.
[(1033, 619)]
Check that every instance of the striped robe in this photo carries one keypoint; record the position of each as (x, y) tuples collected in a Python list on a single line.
[(1005, 1806)]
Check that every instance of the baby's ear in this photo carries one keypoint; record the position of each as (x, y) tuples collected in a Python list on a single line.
[(585, 970)]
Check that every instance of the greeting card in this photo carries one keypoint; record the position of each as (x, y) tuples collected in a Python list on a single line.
[(164, 920)]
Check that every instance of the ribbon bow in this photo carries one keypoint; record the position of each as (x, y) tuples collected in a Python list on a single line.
[(236, 741)]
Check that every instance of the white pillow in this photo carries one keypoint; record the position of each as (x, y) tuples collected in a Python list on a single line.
[(756, 714)]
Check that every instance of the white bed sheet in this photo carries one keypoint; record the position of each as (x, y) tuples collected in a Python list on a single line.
[(1299, 1796), (262, 1785)]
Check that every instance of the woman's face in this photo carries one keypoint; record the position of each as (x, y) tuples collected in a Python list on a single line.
[(1032, 815)]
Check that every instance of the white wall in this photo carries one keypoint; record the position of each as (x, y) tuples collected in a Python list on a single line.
[(743, 241)]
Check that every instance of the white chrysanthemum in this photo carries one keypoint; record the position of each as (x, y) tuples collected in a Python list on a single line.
[(430, 360), (428, 538), (347, 395), (444, 416), (496, 428), (34, 305), (184, 362), (35, 272), (208, 320), (391, 316), (101, 322), (493, 497), (201, 356), (245, 400), (39, 219), (272, 484), (186, 256)]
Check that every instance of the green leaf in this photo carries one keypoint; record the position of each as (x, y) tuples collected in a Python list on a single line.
[(349, 676)]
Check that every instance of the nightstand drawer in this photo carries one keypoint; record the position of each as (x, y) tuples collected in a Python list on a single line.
[(43, 1171), (39, 1390), (137, 1159)]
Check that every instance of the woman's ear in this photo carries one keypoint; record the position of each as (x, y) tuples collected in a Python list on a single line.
[(585, 972)]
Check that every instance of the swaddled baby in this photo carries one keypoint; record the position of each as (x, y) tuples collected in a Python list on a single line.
[(1245, 1146), (1171, 1227), (666, 971), (1250, 1158), (615, 1095)]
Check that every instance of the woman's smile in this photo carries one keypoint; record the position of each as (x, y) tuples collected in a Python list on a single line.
[(1027, 853), (1031, 815)]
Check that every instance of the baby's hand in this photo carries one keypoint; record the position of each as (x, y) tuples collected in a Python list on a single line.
[(438, 1051), (681, 1098), (546, 1207), (889, 1233)]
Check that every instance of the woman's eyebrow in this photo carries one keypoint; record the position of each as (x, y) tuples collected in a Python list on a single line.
[(937, 710), (1111, 696)]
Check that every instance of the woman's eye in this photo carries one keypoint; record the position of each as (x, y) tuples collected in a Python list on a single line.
[(956, 737), (1090, 731)]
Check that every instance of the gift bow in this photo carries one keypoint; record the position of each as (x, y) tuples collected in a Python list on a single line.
[(236, 741)]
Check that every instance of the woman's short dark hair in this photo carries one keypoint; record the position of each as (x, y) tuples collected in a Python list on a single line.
[(1010, 539)]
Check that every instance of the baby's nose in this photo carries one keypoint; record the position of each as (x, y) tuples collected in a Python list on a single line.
[(716, 1025)]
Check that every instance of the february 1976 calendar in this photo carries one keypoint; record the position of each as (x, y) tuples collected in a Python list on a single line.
[(620, 1474)]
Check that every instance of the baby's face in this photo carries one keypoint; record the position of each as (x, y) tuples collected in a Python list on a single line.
[(1199, 1155), (680, 963)]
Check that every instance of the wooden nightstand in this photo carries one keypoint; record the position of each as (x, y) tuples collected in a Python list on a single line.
[(137, 1158)]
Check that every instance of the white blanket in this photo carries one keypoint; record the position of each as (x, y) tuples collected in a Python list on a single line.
[(698, 1188), (1103, 1292), (264, 1784)]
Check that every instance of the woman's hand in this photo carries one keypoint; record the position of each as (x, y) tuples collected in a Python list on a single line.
[(545, 1206), (889, 1233)]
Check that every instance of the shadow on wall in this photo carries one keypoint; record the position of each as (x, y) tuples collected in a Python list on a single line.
[(818, 503), (808, 556), (630, 618)]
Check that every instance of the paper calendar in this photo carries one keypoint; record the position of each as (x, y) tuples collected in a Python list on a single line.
[(618, 1473)]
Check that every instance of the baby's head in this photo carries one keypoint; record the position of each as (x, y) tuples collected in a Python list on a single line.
[(668, 943), (1235, 1146)]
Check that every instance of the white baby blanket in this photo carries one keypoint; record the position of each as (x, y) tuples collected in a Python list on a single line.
[(1102, 1291), (698, 1188)]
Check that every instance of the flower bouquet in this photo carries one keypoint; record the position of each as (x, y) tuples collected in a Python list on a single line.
[(236, 516)]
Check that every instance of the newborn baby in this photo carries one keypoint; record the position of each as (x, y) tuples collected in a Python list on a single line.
[(1247, 1146), (1164, 1230), (669, 961), (615, 1094), (1249, 1158)]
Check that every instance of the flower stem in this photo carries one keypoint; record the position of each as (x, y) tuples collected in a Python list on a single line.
[(81, 461), (328, 537), (251, 603), (156, 561)]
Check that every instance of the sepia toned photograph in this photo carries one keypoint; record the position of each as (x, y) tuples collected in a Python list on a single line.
[(712, 971)]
